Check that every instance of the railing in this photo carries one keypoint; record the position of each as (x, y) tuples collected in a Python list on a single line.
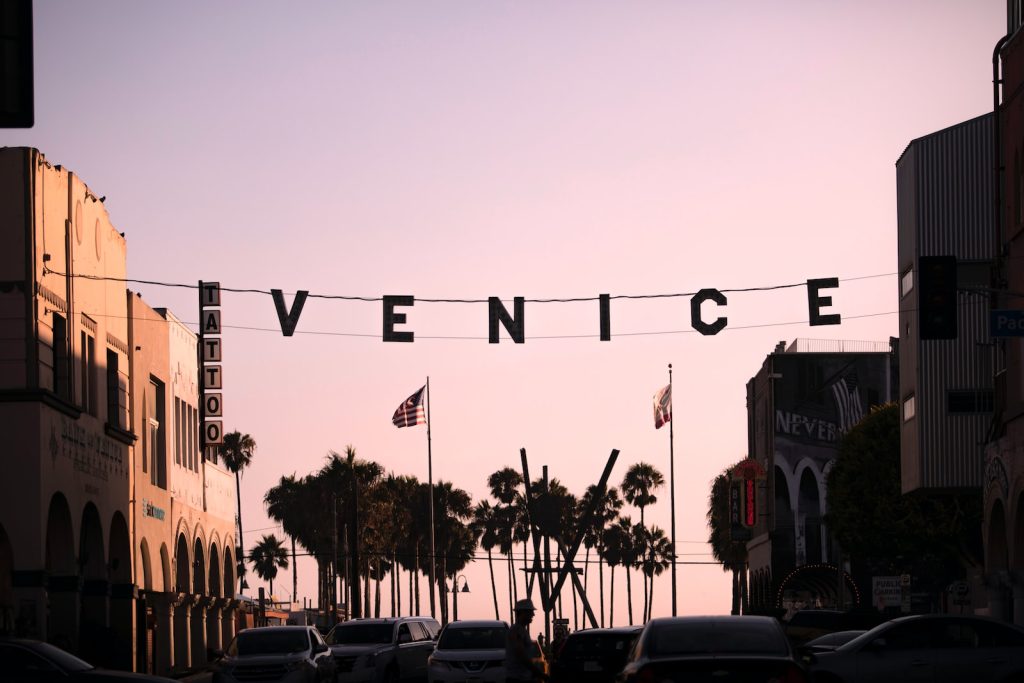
[(836, 346)]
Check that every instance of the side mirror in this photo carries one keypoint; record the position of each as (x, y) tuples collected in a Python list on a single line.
[(217, 654), (404, 638), (319, 648)]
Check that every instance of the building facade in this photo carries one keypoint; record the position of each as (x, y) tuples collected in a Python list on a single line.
[(108, 547), (1003, 477), (805, 396)]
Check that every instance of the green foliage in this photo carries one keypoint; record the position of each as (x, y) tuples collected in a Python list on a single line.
[(878, 524), (732, 554)]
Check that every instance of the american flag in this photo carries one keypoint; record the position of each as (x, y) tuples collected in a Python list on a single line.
[(848, 404), (411, 411), (663, 406)]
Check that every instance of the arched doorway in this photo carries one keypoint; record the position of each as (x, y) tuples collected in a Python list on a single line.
[(784, 529), (201, 603), (216, 610), (62, 576), (122, 595), (997, 564), (94, 634), (808, 547), (183, 605)]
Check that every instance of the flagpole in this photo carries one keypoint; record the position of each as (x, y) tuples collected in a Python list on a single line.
[(672, 490), (430, 497)]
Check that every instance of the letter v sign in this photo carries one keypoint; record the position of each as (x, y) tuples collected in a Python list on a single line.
[(290, 318)]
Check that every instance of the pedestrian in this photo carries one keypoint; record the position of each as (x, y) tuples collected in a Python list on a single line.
[(519, 665)]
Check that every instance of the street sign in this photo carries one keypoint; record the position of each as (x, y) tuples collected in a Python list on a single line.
[(1007, 323)]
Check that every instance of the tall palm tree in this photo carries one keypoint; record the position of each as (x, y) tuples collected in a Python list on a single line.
[(237, 451), (555, 518), (638, 486), (267, 556), (285, 505), (606, 510), (732, 554), (657, 558), (485, 528), (506, 487), (613, 540), (453, 508)]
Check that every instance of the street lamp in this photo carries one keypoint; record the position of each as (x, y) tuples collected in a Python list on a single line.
[(455, 593)]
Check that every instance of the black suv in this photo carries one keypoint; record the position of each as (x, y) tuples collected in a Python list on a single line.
[(373, 650), (289, 654)]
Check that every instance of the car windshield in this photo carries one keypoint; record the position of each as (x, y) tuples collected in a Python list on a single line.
[(473, 638), (597, 645), (361, 634), (64, 660), (269, 642), (701, 637)]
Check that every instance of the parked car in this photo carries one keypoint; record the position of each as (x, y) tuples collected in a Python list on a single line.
[(391, 649), (725, 649), (830, 641), (289, 654), (808, 624), (32, 661), (594, 655), (469, 651), (939, 648)]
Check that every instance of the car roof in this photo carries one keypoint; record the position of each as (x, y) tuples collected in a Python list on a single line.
[(612, 630), (713, 619), (288, 627), (477, 623)]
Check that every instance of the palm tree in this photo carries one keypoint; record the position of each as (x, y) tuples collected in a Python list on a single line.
[(285, 505), (453, 508), (485, 528), (657, 558), (732, 554), (606, 509), (506, 487), (613, 541), (638, 488), (237, 451), (266, 557)]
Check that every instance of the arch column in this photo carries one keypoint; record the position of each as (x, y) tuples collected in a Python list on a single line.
[(183, 632), (163, 638), (998, 587), (199, 610), (1017, 595), (30, 599), (214, 629), (228, 620)]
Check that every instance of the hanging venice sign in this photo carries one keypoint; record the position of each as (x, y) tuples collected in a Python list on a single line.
[(396, 314)]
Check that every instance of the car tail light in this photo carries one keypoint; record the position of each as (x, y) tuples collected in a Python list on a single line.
[(792, 674)]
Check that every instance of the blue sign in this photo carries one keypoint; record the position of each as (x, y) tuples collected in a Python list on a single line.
[(1007, 322)]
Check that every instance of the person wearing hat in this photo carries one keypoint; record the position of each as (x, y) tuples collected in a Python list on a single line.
[(519, 665)]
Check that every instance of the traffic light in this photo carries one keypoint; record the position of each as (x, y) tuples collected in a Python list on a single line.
[(936, 299)]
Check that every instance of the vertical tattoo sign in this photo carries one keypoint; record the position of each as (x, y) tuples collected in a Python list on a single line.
[(211, 378)]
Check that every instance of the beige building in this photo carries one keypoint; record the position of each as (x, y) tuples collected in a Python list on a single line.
[(116, 536)]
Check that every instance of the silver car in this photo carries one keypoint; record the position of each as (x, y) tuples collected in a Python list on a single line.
[(280, 654), (938, 648), (378, 650), (469, 651)]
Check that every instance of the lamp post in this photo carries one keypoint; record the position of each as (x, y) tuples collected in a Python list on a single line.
[(455, 594)]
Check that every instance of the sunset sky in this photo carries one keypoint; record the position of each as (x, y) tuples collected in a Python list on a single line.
[(463, 150)]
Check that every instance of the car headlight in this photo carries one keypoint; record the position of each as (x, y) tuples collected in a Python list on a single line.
[(438, 663), (367, 660), (296, 664)]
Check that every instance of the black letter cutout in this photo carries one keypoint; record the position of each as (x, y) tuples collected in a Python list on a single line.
[(497, 313), (391, 318), (289, 318), (815, 302), (606, 321), (695, 319)]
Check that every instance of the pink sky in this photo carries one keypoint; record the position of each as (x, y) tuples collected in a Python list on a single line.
[(475, 149)]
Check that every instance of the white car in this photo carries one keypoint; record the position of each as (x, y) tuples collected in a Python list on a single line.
[(469, 652)]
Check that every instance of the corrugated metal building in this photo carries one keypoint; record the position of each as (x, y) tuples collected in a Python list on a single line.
[(944, 207)]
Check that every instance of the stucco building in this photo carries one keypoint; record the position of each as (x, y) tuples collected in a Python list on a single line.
[(116, 535)]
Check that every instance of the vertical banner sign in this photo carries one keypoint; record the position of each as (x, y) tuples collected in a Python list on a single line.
[(211, 378)]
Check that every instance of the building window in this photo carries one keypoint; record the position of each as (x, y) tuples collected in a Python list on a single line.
[(968, 402), (178, 436), (61, 385), (192, 445), (88, 365), (156, 434), (113, 390), (907, 282), (909, 409)]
